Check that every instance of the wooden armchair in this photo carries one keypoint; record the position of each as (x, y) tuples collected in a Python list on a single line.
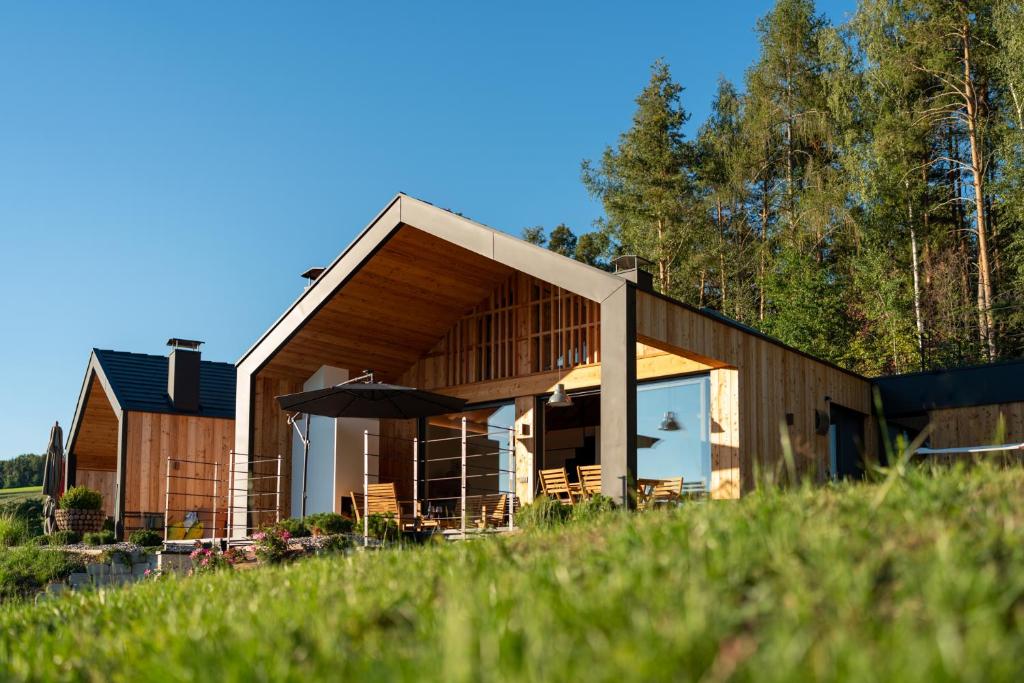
[(555, 484), (590, 479), (381, 499), (489, 510), (664, 491)]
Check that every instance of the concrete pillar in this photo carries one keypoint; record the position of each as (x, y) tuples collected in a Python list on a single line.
[(618, 395)]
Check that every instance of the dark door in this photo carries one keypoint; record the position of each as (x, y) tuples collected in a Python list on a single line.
[(846, 443)]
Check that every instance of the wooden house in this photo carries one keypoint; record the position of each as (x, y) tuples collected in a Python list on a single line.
[(428, 298), (154, 433)]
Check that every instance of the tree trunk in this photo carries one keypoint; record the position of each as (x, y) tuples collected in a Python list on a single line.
[(721, 252), (663, 270), (917, 281), (986, 323)]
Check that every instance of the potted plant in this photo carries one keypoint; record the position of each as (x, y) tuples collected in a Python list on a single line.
[(80, 509)]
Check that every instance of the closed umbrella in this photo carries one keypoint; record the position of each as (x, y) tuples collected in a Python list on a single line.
[(53, 467), (367, 400)]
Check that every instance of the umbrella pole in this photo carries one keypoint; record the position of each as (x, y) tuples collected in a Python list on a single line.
[(366, 486), (305, 463)]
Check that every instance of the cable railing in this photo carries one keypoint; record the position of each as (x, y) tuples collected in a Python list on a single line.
[(435, 512), (249, 500)]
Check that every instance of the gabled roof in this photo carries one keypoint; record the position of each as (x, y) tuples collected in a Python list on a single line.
[(478, 239), (139, 383)]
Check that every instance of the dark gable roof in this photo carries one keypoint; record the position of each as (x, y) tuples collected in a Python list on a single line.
[(139, 382)]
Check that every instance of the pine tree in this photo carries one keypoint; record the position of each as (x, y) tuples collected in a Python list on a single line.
[(645, 185), (562, 241)]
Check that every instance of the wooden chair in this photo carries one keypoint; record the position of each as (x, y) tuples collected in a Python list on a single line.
[(590, 479), (381, 499), (555, 484), (489, 510), (665, 491)]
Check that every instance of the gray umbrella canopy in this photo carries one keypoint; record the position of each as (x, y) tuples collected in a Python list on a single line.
[(367, 400), (53, 466), (371, 400)]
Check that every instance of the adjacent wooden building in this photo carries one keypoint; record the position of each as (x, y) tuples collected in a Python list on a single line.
[(138, 412)]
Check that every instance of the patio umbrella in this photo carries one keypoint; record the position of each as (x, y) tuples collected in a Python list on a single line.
[(367, 400), (372, 400), (52, 470)]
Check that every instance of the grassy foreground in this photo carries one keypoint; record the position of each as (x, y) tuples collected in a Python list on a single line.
[(925, 583)]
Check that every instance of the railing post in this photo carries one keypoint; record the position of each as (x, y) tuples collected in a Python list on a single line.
[(277, 495), (167, 497), (511, 477), (415, 478), (229, 523), (463, 477), (366, 487), (216, 498)]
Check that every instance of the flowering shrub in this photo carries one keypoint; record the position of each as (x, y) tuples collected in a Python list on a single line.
[(271, 545), (206, 560), (154, 574)]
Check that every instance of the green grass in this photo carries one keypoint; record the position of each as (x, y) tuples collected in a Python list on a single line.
[(19, 494), (922, 580), (27, 569)]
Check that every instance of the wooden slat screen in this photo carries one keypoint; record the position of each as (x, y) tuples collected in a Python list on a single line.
[(519, 330)]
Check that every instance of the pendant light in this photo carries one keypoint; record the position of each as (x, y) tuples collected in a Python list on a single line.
[(560, 399), (669, 423)]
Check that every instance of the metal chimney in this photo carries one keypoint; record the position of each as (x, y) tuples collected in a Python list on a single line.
[(630, 267), (183, 374), (312, 274)]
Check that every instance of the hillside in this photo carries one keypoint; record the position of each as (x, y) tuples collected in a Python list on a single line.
[(920, 580)]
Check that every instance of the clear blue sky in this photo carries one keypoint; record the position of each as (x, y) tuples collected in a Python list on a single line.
[(169, 169)]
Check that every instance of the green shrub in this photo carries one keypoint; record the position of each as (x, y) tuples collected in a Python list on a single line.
[(108, 525), (543, 513), (13, 530), (81, 498), (26, 570), (99, 538), (382, 527), (28, 509), (64, 537), (591, 508), (146, 537), (328, 523), (335, 544), (296, 527)]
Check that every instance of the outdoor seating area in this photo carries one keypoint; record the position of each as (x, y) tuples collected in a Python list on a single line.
[(555, 483)]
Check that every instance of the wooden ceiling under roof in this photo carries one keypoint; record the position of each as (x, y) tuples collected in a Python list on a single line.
[(393, 310), (95, 445)]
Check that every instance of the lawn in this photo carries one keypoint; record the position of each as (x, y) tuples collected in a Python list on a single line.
[(20, 494), (921, 579)]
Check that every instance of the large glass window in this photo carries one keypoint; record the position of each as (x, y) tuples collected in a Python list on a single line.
[(673, 424), (487, 451)]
